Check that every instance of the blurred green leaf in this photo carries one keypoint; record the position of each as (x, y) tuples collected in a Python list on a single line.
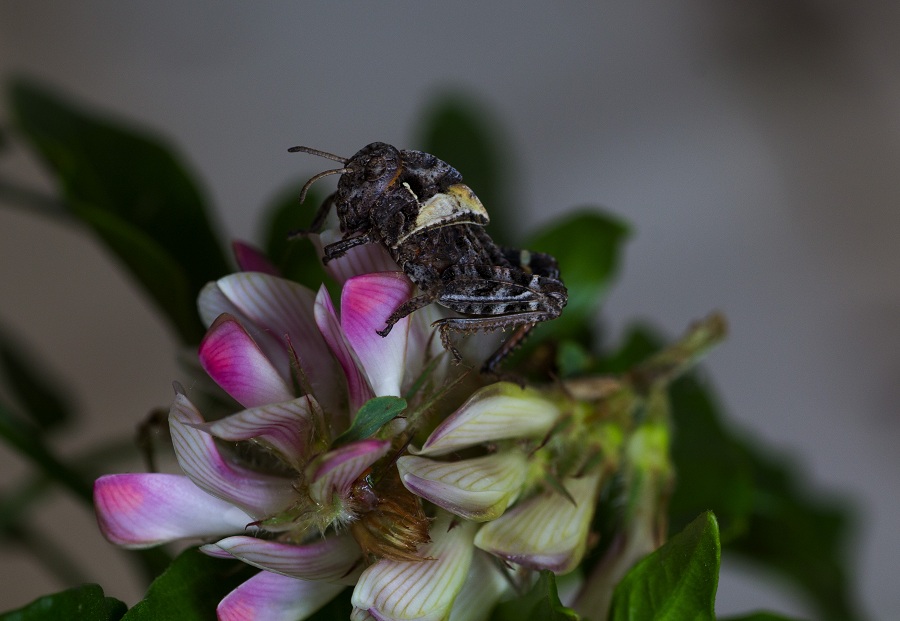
[(32, 386), (759, 616), (24, 437), (588, 247), (160, 275), (541, 603), (296, 259), (372, 416), (139, 186), (767, 515), (677, 582), (461, 132), (82, 603), (190, 589)]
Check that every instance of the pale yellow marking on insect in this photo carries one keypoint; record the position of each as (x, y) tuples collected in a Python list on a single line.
[(458, 205), (410, 190)]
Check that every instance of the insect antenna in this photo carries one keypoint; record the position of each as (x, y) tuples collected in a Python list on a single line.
[(325, 154), (319, 176), (311, 151)]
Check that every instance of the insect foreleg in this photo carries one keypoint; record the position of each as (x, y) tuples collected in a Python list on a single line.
[(407, 308), (318, 222), (340, 247)]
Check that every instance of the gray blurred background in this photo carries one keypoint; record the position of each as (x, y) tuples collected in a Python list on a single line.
[(754, 146)]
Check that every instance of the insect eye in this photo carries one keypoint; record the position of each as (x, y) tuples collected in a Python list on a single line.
[(375, 169)]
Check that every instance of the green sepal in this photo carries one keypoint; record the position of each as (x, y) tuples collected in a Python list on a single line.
[(81, 603), (190, 589), (372, 416), (676, 582), (541, 603)]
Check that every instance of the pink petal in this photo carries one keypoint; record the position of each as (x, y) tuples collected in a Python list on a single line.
[(366, 303), (357, 385), (143, 510), (283, 310), (251, 259), (274, 597), (336, 471), (286, 427), (336, 558), (235, 362), (258, 494), (365, 259)]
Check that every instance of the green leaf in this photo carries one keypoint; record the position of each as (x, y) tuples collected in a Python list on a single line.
[(461, 132), (541, 603), (108, 167), (32, 387), (190, 589), (161, 276), (759, 616), (677, 582), (372, 416), (23, 436), (82, 603), (765, 511), (588, 247), (296, 259)]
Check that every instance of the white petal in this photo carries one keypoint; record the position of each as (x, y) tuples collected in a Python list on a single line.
[(273, 597), (484, 587), (546, 531), (286, 427), (419, 590), (336, 471), (336, 558), (497, 412), (477, 489), (257, 494)]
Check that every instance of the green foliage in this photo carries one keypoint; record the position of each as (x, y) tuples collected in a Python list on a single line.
[(133, 192), (190, 589), (759, 616), (372, 416), (588, 247), (541, 603), (767, 516), (27, 441), (83, 603), (41, 400), (296, 259), (460, 132), (677, 582)]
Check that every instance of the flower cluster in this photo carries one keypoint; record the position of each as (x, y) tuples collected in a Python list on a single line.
[(346, 466)]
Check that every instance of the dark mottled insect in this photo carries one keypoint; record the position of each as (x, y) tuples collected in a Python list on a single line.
[(432, 224)]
